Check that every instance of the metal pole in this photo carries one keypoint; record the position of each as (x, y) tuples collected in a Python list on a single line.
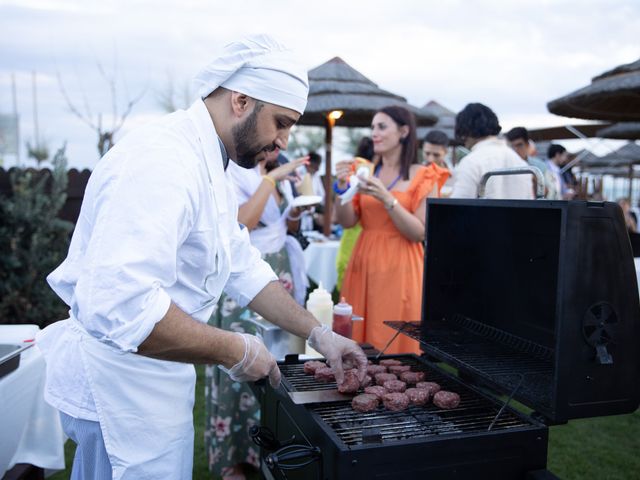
[(328, 188), (35, 110), (15, 113)]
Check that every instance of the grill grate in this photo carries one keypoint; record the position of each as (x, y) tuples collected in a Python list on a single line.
[(498, 356), (474, 414)]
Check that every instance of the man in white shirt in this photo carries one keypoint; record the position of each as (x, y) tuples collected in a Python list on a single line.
[(156, 243), (477, 128)]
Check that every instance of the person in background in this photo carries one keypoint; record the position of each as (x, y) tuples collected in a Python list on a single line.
[(156, 244), (518, 139), (350, 235), (264, 194), (383, 279), (557, 156), (477, 128), (630, 218), (435, 146), (313, 168)]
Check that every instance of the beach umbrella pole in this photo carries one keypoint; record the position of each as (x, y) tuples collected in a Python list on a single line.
[(328, 188)]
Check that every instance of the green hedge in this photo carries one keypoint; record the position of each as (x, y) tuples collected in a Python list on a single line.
[(33, 242)]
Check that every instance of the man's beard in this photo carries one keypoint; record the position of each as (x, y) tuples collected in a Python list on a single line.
[(246, 152)]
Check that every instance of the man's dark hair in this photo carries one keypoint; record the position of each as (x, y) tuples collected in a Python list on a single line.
[(409, 155), (518, 132), (555, 149), (476, 121), (315, 158), (437, 137), (365, 148)]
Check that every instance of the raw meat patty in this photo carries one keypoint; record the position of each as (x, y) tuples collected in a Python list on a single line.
[(390, 361), (412, 377), (446, 400), (376, 390), (398, 369), (417, 396), (351, 383), (395, 401), (373, 369), (367, 381), (311, 366), (365, 402), (325, 375), (384, 377), (431, 387), (394, 386)]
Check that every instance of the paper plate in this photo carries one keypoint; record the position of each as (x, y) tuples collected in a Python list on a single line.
[(306, 200)]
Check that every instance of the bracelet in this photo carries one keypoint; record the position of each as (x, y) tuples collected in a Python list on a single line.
[(339, 190), (270, 180), (391, 206)]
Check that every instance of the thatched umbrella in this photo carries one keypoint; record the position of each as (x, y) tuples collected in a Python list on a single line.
[(338, 92), (624, 131), (613, 95), (623, 158)]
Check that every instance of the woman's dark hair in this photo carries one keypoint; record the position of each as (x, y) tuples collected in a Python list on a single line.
[(409, 155), (365, 148), (476, 121)]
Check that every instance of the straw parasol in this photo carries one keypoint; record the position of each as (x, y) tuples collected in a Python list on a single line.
[(446, 120), (624, 131), (613, 95), (339, 93), (622, 159)]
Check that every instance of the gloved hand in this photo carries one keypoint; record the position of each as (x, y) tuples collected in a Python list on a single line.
[(256, 363), (338, 349)]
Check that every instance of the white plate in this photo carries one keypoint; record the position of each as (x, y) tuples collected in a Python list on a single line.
[(306, 200)]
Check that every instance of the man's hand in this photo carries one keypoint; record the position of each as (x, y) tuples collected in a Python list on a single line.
[(338, 350), (256, 363)]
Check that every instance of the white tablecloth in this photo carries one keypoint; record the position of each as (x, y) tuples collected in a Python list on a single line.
[(30, 429), (320, 260)]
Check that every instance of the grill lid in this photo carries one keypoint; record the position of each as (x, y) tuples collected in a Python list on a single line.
[(534, 298)]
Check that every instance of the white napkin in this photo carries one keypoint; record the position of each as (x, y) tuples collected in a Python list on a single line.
[(361, 173)]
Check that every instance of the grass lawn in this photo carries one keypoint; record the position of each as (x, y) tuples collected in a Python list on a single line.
[(606, 448)]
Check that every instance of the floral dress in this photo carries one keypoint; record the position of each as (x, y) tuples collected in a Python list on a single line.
[(231, 407)]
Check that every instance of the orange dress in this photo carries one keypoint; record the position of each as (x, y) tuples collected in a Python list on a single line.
[(383, 280)]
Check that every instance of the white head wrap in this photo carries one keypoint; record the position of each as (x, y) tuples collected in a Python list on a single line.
[(261, 68)]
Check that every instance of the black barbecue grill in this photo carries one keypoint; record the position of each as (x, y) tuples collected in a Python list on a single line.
[(529, 301)]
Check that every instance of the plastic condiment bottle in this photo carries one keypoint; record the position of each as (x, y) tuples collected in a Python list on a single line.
[(320, 305), (342, 318)]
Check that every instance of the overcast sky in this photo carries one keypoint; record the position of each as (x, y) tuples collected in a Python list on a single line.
[(514, 56)]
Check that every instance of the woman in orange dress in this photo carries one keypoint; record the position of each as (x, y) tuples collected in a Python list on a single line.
[(383, 280)]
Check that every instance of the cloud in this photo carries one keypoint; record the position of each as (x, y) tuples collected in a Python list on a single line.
[(513, 56)]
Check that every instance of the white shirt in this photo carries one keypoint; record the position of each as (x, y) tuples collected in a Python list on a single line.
[(158, 224), (487, 155), (318, 186)]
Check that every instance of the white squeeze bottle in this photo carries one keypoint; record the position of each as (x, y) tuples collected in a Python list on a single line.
[(320, 305)]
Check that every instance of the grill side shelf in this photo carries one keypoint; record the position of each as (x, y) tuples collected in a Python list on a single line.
[(493, 356)]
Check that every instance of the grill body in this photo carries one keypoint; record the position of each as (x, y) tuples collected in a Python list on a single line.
[(420, 441), (539, 297)]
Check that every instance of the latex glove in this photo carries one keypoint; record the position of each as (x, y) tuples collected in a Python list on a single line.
[(338, 349), (256, 363)]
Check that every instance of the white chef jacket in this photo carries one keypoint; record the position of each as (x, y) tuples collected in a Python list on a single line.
[(158, 224), (486, 155)]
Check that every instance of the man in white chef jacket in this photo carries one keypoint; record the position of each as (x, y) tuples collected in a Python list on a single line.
[(156, 243)]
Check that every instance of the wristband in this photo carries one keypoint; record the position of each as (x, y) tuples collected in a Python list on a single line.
[(339, 190), (270, 180)]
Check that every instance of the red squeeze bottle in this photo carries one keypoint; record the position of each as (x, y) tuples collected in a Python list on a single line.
[(342, 318)]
